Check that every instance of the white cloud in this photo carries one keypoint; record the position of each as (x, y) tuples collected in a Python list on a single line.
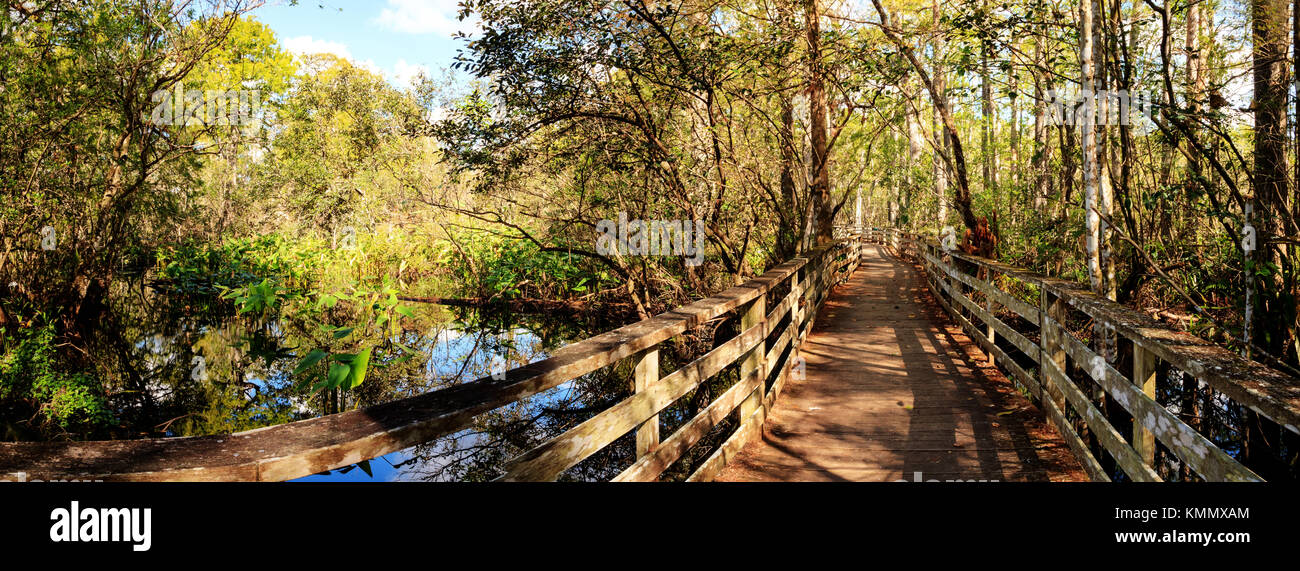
[(400, 74), (404, 72), (423, 17), (306, 45), (370, 66)]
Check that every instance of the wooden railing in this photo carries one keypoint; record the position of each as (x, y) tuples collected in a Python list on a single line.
[(969, 286), (307, 447)]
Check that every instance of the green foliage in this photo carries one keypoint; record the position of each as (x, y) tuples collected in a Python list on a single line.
[(369, 310), (31, 371), (249, 58), (513, 269), (194, 267), (78, 78), (341, 128)]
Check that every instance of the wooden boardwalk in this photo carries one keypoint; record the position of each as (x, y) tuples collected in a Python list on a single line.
[(893, 392)]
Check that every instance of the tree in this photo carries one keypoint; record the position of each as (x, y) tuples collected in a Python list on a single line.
[(1088, 127), (818, 130), (1269, 177), (83, 157), (249, 62), (962, 192)]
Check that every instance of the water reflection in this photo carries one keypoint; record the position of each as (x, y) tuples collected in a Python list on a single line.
[(178, 365), (186, 366), (481, 451)]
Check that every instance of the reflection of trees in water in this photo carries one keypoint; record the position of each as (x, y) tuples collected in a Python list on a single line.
[(481, 452), (1263, 446), (145, 350), (1260, 444)]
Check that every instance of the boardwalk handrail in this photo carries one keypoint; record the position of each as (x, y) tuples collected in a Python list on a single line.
[(306, 447), (1268, 392)]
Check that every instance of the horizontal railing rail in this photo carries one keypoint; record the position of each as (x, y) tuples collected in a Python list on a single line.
[(306, 447), (1268, 392)]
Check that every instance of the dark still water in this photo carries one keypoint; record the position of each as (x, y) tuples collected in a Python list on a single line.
[(176, 366)]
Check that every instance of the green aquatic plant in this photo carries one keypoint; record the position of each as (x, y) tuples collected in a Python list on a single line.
[(356, 321), (33, 374)]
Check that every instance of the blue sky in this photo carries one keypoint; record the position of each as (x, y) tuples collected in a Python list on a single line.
[(394, 37)]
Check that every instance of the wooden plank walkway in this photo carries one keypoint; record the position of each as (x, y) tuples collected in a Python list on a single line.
[(893, 391)]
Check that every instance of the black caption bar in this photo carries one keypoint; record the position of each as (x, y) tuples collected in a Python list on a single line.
[(536, 522)]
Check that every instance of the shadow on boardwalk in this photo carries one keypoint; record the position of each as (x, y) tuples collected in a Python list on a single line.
[(895, 391)]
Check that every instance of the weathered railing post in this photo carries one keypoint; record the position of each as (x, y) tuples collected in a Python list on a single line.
[(808, 277), (645, 375), (954, 284), (1052, 312), (796, 319), (799, 283), (1144, 376), (856, 253), (818, 284), (752, 362), (988, 306)]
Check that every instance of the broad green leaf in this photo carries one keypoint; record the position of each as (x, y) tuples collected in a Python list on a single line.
[(338, 375), (359, 366), (311, 359)]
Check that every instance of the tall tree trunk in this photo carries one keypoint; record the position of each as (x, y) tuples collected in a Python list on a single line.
[(912, 123), (941, 137), (1195, 77), (1088, 135), (1069, 166), (1269, 32), (1106, 162), (1295, 75), (818, 133), (790, 237), (1014, 141), (1123, 71), (1270, 75), (986, 115), (895, 195), (962, 197), (1042, 148)]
